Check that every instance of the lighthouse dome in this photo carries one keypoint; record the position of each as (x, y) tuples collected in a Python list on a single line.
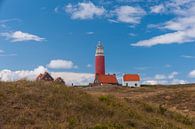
[(100, 45), (100, 49)]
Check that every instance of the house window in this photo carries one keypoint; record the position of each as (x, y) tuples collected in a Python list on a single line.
[(136, 84)]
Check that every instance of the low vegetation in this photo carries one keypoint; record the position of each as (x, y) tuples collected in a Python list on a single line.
[(40, 105)]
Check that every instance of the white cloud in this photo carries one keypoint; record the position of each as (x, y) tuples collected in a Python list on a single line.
[(9, 20), (142, 68), (7, 55), (3, 54), (69, 77), (4, 23), (160, 77), (56, 9), (168, 76), (61, 64), (88, 10), (182, 27), (165, 82), (150, 82), (188, 56), (132, 34), (168, 65), (155, 82), (1, 51), (85, 10), (8, 75), (113, 21), (181, 23), (177, 6), (170, 38), (168, 79), (192, 74), (19, 36), (129, 14), (90, 33), (89, 66), (158, 8), (75, 78), (178, 81), (172, 75)]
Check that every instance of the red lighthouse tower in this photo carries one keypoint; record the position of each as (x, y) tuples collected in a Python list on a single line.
[(99, 60), (100, 77)]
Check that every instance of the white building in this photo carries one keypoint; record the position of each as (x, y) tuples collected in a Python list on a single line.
[(131, 80)]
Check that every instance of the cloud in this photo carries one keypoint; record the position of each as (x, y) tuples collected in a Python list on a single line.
[(178, 81), (19, 36), (129, 14), (132, 34), (165, 82), (88, 10), (168, 66), (157, 9), (188, 56), (3, 54), (182, 27), (172, 75), (89, 66), (69, 77), (8, 75), (56, 9), (160, 77), (2, 51), (7, 55), (90, 33), (5, 23), (192, 74), (75, 78), (164, 79), (181, 23), (178, 37), (61, 64), (85, 10), (10, 20), (113, 21), (142, 68)]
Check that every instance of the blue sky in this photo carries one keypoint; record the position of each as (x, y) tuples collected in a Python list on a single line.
[(152, 37)]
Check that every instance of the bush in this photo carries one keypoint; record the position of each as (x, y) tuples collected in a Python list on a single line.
[(162, 109), (104, 98)]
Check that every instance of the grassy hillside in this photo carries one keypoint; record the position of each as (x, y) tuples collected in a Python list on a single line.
[(180, 98), (38, 105)]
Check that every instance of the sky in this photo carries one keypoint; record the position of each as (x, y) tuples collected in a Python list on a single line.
[(155, 38)]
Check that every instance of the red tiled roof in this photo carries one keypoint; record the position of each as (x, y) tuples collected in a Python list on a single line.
[(45, 77), (131, 77), (60, 80), (107, 79), (39, 77)]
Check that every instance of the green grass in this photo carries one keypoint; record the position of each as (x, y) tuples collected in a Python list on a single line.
[(39, 105)]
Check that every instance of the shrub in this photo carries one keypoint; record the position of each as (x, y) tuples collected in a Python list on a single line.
[(162, 109)]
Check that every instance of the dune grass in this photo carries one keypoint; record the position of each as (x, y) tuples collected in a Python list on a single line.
[(40, 105)]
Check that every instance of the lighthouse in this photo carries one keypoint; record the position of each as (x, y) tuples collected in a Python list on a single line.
[(99, 60), (100, 77)]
